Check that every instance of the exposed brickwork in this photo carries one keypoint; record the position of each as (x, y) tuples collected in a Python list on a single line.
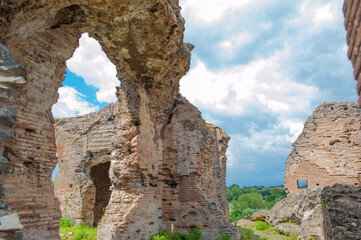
[(82, 143), (352, 12), (194, 191), (144, 39), (328, 150), (186, 190)]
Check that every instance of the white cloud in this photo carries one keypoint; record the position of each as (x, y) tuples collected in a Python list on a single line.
[(274, 140), (206, 11), (91, 63), (324, 13), (319, 13), (260, 82), (259, 96), (235, 41), (295, 128), (71, 103)]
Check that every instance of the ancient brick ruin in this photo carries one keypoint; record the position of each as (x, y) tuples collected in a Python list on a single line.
[(144, 40), (184, 190), (352, 12), (328, 150), (162, 157)]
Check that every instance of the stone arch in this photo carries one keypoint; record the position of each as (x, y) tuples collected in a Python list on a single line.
[(144, 40)]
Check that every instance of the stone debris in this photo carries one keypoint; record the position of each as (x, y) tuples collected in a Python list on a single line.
[(10, 223), (342, 211), (331, 212), (299, 213)]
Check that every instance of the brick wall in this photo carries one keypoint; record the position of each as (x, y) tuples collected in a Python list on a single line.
[(144, 39), (184, 190), (352, 12), (328, 150)]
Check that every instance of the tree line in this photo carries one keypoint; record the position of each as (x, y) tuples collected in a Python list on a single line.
[(245, 201)]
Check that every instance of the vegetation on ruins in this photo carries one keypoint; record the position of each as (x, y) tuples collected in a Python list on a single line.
[(71, 231), (193, 234), (247, 200), (261, 230)]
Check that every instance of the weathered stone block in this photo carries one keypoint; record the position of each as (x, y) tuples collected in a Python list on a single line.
[(6, 62), (6, 136), (12, 79), (7, 116), (3, 160), (10, 223), (342, 211), (8, 93), (4, 165)]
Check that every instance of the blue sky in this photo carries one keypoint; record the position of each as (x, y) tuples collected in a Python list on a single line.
[(258, 70)]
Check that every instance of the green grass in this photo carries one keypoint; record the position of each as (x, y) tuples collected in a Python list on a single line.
[(193, 234), (262, 230), (265, 227), (71, 231)]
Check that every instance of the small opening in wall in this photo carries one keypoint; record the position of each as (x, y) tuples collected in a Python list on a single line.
[(356, 184), (317, 184), (302, 184), (100, 177)]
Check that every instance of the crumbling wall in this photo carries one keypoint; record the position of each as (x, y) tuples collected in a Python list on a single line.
[(82, 143), (352, 12), (187, 190), (328, 150), (194, 172), (144, 40)]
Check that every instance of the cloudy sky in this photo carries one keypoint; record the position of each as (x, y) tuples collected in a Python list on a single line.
[(259, 69)]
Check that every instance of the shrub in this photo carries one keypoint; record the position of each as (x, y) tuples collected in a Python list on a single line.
[(66, 222), (263, 226)]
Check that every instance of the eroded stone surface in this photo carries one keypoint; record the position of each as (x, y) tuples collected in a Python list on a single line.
[(330, 212), (144, 40), (328, 150), (300, 212), (187, 188), (342, 211)]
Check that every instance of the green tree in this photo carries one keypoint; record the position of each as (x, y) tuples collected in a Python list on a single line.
[(234, 193), (252, 200), (247, 200)]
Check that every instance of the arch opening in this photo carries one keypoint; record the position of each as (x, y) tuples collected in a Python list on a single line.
[(84, 117), (100, 176)]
